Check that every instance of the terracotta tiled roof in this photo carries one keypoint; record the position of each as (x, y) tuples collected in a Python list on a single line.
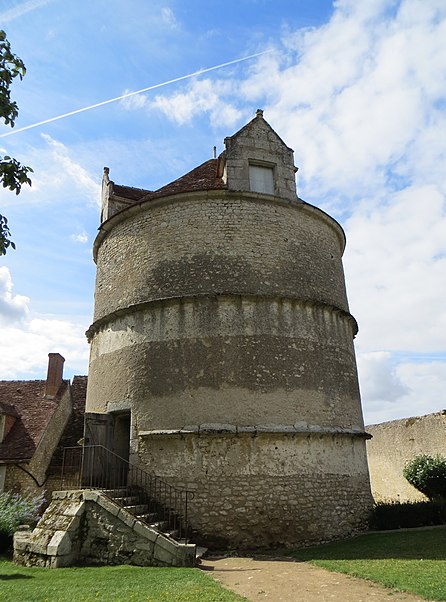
[(27, 398), (203, 177), (6, 408), (128, 192)]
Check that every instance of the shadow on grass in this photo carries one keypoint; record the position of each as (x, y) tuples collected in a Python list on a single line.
[(426, 544), (15, 576)]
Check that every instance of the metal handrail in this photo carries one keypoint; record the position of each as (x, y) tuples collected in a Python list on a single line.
[(146, 496)]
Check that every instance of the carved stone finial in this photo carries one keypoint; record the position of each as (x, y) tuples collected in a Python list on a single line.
[(259, 113), (106, 171)]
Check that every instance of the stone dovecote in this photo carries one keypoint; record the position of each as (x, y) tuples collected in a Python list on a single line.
[(222, 330)]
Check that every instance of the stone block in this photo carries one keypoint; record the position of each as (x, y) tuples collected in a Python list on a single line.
[(145, 531), (76, 509), (74, 524), (58, 562), (185, 554), (91, 496), (126, 518), (163, 556), (108, 505), (147, 546), (60, 544), (167, 544), (21, 540)]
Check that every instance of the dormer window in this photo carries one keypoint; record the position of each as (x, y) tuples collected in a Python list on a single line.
[(261, 178)]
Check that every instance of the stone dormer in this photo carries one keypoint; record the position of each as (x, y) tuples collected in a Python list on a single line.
[(257, 160)]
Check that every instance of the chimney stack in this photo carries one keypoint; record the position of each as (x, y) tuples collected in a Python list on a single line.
[(54, 376)]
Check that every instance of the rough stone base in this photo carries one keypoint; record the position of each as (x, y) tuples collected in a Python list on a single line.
[(266, 490), (85, 527)]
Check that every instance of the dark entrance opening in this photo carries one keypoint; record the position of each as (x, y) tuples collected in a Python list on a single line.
[(106, 455), (121, 435)]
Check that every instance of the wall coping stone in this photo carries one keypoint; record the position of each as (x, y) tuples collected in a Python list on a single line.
[(229, 429)]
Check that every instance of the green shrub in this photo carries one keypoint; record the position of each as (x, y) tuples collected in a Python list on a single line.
[(428, 475), (400, 515), (16, 509)]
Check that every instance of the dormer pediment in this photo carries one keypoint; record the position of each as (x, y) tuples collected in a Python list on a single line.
[(258, 160)]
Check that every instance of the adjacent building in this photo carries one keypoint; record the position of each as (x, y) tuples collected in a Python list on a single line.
[(38, 418)]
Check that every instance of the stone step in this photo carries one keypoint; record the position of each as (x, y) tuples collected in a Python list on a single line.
[(132, 500), (199, 550), (171, 534), (121, 492), (149, 517), (137, 509), (160, 525)]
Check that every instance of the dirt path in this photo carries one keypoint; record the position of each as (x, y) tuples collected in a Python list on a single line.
[(287, 580)]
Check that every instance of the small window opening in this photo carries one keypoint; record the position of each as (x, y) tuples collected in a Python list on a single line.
[(261, 179)]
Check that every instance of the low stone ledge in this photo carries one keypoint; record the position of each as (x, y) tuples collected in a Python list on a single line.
[(260, 429)]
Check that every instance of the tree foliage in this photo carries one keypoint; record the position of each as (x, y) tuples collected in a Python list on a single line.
[(428, 475), (12, 174)]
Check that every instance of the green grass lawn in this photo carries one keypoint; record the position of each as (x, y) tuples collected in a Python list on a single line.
[(411, 561), (110, 584)]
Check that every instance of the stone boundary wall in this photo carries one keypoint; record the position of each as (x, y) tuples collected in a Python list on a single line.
[(86, 527), (396, 442)]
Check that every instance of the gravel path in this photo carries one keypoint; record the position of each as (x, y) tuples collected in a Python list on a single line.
[(288, 580)]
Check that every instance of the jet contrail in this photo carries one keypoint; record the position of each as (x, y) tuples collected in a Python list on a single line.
[(105, 102)]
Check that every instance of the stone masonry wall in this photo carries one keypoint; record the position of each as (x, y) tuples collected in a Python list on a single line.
[(396, 442), (257, 143), (265, 489), (247, 361), (19, 481), (217, 242), (85, 527)]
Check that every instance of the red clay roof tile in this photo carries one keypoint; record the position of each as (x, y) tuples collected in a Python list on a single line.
[(34, 411)]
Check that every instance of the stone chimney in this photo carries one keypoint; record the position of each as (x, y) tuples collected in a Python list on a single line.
[(54, 376)]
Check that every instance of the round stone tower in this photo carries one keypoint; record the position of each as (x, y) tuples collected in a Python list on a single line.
[(222, 348)]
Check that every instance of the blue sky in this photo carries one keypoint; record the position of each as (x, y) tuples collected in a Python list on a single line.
[(357, 89)]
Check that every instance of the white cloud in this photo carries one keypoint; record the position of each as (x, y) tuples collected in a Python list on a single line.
[(13, 308), (379, 380), (77, 175), (27, 338), (25, 350), (201, 96), (396, 264), (20, 10), (132, 103), (82, 237), (168, 17), (414, 388)]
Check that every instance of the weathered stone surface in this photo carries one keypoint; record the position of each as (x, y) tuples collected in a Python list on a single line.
[(60, 544), (396, 442), (222, 324), (99, 537)]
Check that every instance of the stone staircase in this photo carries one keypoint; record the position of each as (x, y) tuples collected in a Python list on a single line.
[(160, 518), (101, 527)]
